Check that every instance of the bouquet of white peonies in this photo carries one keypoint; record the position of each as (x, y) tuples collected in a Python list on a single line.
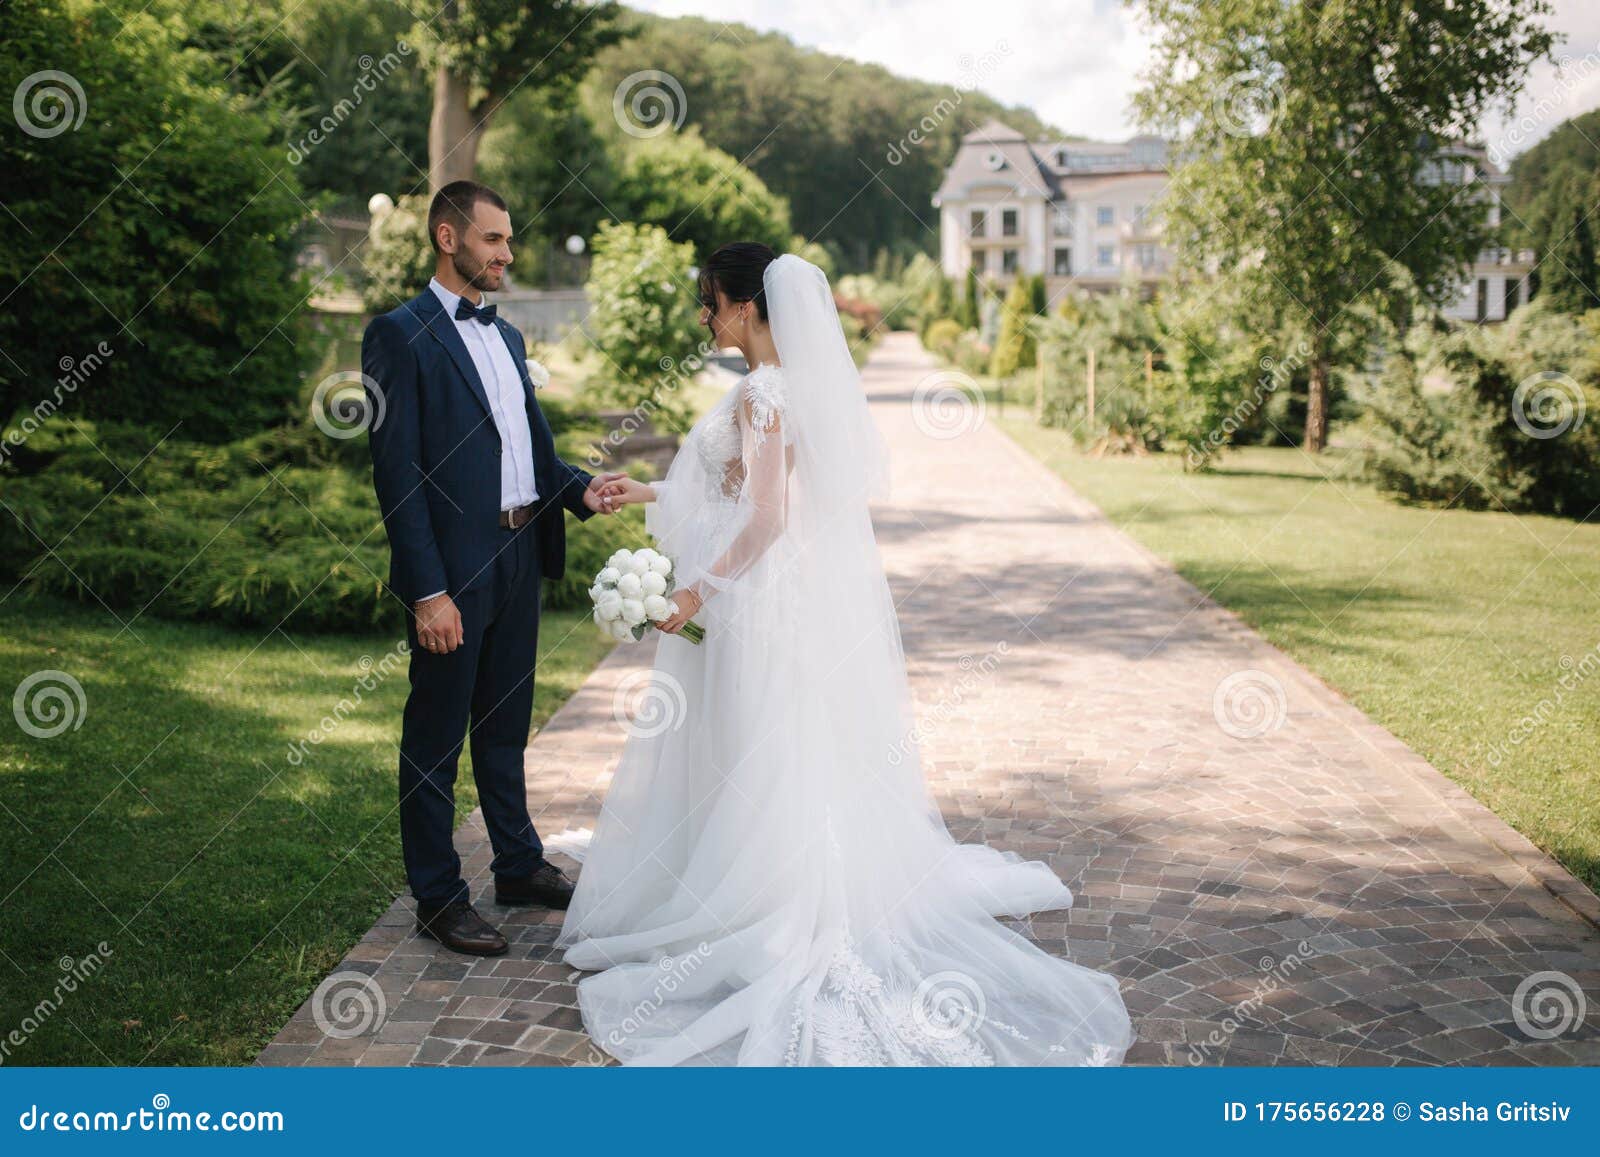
[(630, 593)]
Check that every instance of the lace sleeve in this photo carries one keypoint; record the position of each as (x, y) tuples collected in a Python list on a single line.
[(766, 462)]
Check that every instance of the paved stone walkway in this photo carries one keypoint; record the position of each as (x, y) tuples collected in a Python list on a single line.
[(1275, 878)]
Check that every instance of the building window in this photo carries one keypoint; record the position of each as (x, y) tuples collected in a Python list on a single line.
[(1105, 215), (1483, 299), (1061, 220), (977, 261), (1008, 222), (1145, 254), (977, 219), (1062, 266), (1148, 152), (1008, 261), (1106, 256)]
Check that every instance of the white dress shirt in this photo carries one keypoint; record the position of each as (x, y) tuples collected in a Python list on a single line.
[(508, 405)]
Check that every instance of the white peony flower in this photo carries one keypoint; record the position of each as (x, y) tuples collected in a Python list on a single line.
[(609, 604), (607, 576), (657, 608), (621, 631), (628, 586), (653, 584), (538, 375), (622, 560), (632, 612), (600, 620), (661, 565)]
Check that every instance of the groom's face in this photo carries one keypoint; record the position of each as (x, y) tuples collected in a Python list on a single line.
[(483, 250)]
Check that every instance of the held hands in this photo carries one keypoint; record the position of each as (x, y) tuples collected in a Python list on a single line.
[(439, 625), (687, 604), (620, 491), (594, 496)]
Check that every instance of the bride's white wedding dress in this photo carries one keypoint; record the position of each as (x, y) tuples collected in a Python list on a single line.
[(769, 882)]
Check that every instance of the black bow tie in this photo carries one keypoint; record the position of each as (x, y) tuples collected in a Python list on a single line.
[(465, 310)]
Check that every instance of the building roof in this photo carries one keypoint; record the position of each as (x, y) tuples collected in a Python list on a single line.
[(994, 153)]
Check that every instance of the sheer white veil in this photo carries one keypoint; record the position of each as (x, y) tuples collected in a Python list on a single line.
[(840, 456)]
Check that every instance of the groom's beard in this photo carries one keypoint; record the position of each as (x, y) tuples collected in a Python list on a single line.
[(483, 278)]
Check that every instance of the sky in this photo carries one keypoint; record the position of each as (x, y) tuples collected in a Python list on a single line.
[(1077, 62)]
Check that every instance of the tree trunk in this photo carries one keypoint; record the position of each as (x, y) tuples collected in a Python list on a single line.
[(1317, 405), (453, 135)]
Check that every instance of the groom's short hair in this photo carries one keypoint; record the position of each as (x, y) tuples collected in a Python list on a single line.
[(454, 204)]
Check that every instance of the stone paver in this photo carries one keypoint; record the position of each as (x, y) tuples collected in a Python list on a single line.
[(1313, 894)]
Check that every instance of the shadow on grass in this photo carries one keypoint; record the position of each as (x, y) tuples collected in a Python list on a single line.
[(224, 878)]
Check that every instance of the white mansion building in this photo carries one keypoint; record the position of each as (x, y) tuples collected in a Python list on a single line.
[(1080, 213)]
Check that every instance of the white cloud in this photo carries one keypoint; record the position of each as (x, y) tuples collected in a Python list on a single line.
[(1076, 62), (1557, 91)]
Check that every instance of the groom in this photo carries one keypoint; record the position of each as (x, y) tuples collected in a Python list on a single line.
[(472, 495)]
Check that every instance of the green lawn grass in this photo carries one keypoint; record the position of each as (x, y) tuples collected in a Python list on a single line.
[(1470, 635), (225, 878)]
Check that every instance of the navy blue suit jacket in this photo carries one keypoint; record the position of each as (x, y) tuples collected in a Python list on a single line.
[(436, 455)]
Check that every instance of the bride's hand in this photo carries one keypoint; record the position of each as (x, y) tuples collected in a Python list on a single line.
[(625, 491), (687, 603)]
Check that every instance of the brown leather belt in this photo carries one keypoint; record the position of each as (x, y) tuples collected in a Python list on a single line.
[(517, 517)]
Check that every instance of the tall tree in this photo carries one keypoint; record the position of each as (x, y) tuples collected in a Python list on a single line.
[(1569, 275), (1316, 137), (482, 51)]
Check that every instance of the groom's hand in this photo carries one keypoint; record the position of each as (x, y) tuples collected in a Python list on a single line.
[(439, 625), (592, 498)]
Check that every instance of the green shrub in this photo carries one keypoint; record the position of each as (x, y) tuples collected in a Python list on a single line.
[(938, 304), (969, 353), (1014, 348), (164, 226), (1513, 426), (1119, 328), (398, 258), (280, 529), (941, 336), (645, 319)]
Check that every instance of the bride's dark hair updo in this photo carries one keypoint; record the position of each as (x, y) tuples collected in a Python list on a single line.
[(736, 269)]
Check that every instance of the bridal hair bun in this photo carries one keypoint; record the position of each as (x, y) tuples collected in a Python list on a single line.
[(736, 268)]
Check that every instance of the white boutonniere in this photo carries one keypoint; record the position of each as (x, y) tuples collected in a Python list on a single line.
[(537, 374)]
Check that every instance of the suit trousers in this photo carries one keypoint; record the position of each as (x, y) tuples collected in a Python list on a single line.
[(484, 690)]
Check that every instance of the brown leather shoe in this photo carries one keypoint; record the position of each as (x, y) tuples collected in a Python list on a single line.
[(458, 926), (545, 885)]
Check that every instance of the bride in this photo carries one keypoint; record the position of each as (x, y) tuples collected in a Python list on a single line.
[(769, 881)]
